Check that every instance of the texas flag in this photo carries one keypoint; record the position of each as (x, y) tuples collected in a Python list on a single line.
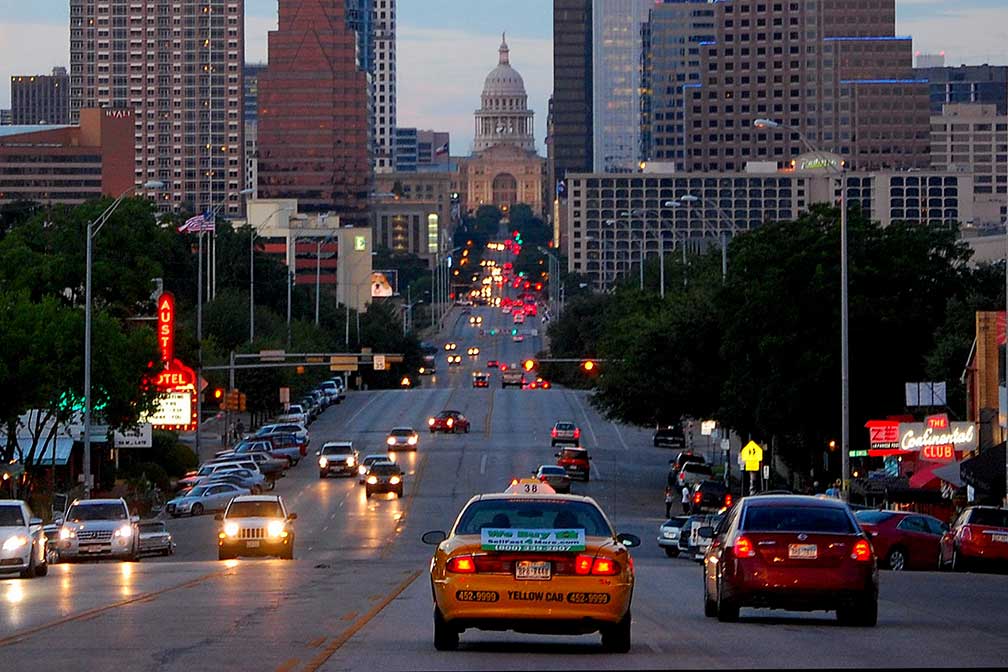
[(443, 149)]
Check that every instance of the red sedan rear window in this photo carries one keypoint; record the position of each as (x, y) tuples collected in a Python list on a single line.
[(831, 520), (990, 517)]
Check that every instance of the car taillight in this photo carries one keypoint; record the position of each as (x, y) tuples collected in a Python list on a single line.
[(583, 565), (586, 564), (577, 433), (728, 500), (553, 433), (543, 478), (862, 551), (697, 497), (462, 564), (744, 548), (965, 534)]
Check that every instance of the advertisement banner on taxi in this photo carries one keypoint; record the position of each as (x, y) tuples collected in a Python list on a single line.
[(524, 540)]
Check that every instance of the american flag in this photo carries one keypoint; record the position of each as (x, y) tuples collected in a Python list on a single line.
[(198, 224)]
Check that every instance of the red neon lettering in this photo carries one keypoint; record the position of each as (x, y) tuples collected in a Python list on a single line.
[(166, 326)]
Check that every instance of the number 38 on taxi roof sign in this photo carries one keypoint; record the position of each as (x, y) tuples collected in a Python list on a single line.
[(529, 486), (751, 455)]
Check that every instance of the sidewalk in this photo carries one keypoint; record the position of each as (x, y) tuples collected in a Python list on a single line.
[(213, 431)]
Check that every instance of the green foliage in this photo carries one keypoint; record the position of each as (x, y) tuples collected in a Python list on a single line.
[(175, 457)]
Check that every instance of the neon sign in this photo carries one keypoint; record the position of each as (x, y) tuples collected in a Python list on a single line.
[(176, 382)]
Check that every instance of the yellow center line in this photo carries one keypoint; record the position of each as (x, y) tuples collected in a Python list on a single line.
[(97, 611), (288, 665), (345, 636)]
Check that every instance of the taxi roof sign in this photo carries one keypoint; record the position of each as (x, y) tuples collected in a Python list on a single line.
[(529, 486)]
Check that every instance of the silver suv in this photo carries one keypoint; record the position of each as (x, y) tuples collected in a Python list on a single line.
[(99, 528)]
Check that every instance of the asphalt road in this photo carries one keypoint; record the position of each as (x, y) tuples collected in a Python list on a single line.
[(357, 598)]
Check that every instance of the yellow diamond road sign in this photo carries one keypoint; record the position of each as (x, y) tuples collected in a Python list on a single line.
[(751, 455)]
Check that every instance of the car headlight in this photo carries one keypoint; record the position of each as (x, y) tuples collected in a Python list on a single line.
[(275, 528), (231, 529), (411, 440), (362, 470), (15, 542), (350, 461), (394, 480), (430, 421), (323, 462), (125, 531), (372, 480), (390, 440), (65, 533)]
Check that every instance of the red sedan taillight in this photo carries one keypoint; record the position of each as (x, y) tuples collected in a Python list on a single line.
[(862, 551), (462, 564), (553, 433), (577, 433), (744, 548), (728, 500)]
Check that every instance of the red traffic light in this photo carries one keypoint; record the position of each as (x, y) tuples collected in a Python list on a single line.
[(588, 365), (538, 286)]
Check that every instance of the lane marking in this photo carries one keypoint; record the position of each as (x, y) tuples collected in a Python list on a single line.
[(288, 665), (488, 421), (97, 611), (366, 404), (619, 435), (483, 461), (585, 415), (345, 636)]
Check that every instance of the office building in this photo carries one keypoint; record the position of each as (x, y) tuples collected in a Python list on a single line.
[(384, 85), (411, 211), (178, 65), (41, 99), (929, 60), (251, 90), (984, 84), (421, 150), (612, 215), (6, 118), (313, 114), (616, 78), (68, 164), (571, 135), (973, 139)]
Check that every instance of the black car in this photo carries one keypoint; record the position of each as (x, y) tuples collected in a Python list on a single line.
[(384, 477), (709, 496), (669, 437)]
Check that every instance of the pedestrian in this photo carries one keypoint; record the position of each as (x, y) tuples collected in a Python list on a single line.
[(685, 499), (668, 502), (239, 429)]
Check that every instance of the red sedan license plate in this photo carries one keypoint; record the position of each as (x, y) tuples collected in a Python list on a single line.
[(803, 551), (1003, 538), (533, 570)]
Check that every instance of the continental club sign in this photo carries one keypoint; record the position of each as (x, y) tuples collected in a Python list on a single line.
[(936, 438)]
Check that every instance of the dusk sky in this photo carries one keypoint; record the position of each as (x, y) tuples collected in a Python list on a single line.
[(446, 48)]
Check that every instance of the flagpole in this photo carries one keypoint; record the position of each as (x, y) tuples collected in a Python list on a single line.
[(199, 342)]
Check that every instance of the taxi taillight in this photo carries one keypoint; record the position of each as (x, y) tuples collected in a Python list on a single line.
[(744, 548), (697, 497), (586, 564), (862, 551), (462, 564), (728, 500)]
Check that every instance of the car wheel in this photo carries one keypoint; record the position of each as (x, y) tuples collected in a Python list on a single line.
[(863, 613), (709, 605), (42, 570), (467, 429), (896, 560), (29, 571), (672, 552), (367, 493), (446, 638), (616, 638), (197, 509), (727, 610), (958, 562), (941, 560)]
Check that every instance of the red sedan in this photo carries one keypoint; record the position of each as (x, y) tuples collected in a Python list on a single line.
[(448, 422), (790, 552), (979, 534), (902, 539), (491, 364)]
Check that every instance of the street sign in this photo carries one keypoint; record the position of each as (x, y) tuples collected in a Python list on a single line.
[(272, 355), (751, 455), (707, 427), (725, 445), (343, 363), (766, 471), (379, 362), (858, 453), (394, 359), (285, 395)]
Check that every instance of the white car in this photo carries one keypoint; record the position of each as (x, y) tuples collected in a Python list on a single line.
[(295, 413), (22, 541), (256, 525), (99, 528)]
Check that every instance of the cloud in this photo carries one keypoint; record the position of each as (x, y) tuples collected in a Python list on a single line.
[(30, 49), (441, 73)]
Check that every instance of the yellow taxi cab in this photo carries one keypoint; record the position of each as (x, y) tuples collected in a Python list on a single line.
[(533, 561)]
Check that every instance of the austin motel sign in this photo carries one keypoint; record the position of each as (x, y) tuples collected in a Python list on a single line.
[(176, 382)]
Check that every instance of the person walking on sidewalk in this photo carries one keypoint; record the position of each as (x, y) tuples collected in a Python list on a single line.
[(668, 502), (685, 499)]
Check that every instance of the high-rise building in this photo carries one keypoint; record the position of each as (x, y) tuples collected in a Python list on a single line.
[(360, 19), (251, 90), (571, 135), (313, 113), (671, 40), (834, 72), (929, 60), (178, 65), (984, 84), (5, 117), (616, 78), (41, 99), (421, 150), (384, 85)]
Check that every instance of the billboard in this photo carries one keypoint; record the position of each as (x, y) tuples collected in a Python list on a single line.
[(384, 283)]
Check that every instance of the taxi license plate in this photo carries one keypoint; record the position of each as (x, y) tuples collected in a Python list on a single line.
[(1003, 538), (803, 551), (533, 570), (251, 544)]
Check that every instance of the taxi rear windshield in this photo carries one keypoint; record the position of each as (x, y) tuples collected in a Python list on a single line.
[(533, 515), (827, 519)]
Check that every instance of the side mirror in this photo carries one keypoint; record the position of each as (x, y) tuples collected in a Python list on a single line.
[(35, 522), (434, 537), (706, 532), (218, 516), (628, 540), (292, 516)]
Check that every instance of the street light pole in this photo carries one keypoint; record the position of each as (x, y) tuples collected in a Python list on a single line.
[(844, 325), (91, 232)]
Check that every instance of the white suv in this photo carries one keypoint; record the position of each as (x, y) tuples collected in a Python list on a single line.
[(95, 528), (22, 541), (256, 525)]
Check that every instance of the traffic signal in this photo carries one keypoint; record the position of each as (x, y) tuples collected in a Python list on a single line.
[(529, 364), (589, 366), (514, 331)]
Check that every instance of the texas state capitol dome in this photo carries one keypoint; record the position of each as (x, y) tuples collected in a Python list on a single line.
[(504, 168)]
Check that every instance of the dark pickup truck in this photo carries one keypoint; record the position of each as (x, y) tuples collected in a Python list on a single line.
[(669, 437)]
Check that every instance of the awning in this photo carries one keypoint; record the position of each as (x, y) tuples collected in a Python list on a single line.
[(986, 472), (44, 456), (949, 473), (926, 476)]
